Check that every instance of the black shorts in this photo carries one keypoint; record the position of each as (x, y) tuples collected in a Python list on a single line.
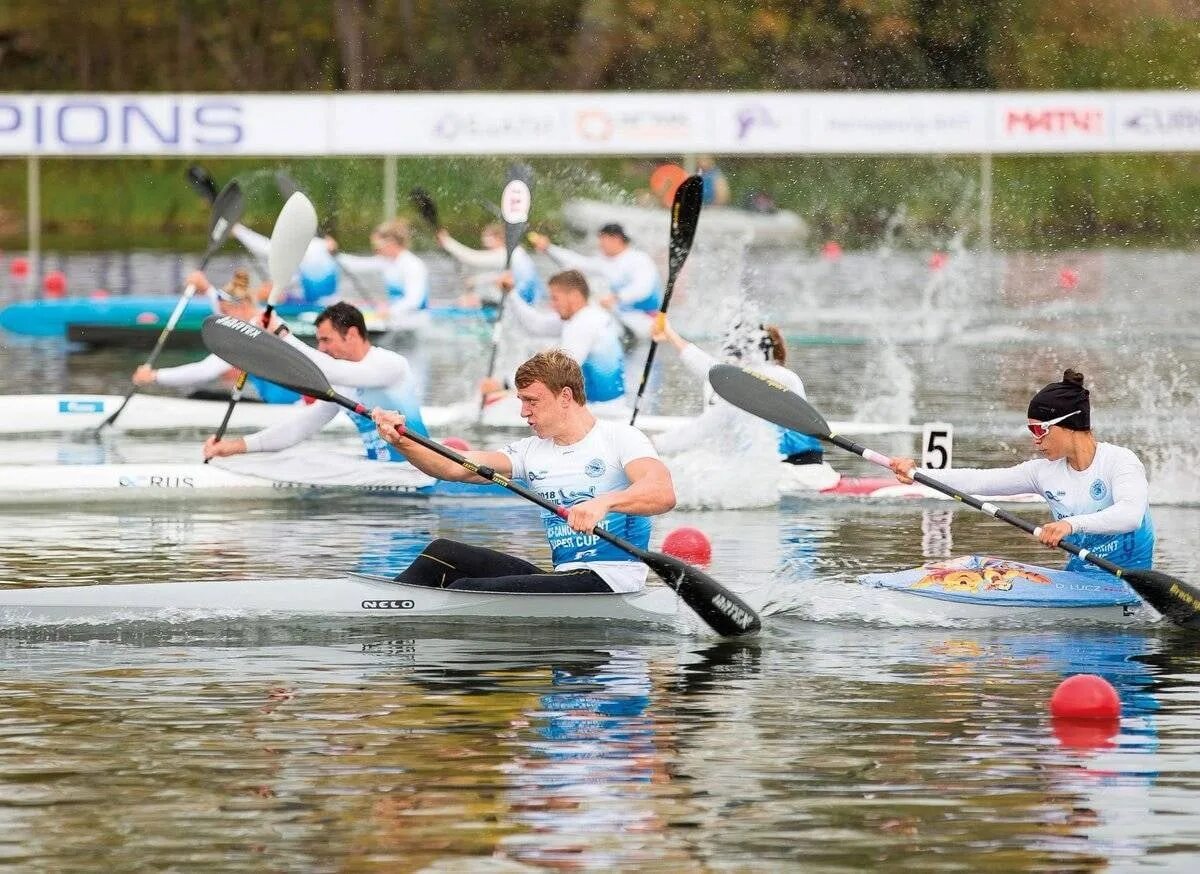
[(448, 564)]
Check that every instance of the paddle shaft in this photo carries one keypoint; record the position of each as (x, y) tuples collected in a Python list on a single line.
[(514, 229), (161, 342), (287, 187)]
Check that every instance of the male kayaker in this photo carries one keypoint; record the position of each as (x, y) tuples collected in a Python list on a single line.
[(372, 375), (404, 274), (1097, 492), (529, 285), (635, 287), (603, 473), (235, 299), (584, 332)]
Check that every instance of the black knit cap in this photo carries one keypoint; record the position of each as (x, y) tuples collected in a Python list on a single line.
[(1060, 398)]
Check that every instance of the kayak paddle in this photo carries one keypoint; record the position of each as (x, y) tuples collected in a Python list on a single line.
[(294, 229), (425, 207), (287, 187), (260, 352), (515, 202), (767, 399), (685, 213), (201, 180), (226, 211)]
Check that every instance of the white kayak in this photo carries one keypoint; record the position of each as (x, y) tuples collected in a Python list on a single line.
[(298, 472), (68, 413), (354, 595)]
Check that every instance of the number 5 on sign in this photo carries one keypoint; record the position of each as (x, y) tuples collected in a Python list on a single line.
[(937, 446)]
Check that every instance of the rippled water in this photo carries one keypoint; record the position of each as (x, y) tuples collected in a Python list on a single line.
[(844, 737)]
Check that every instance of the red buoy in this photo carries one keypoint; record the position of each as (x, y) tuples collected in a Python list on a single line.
[(832, 250), (688, 544), (1068, 278), (55, 284), (18, 268), (938, 260), (1085, 696), (457, 444)]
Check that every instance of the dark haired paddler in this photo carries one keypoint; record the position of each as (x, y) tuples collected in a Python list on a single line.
[(371, 374), (1097, 492), (604, 473)]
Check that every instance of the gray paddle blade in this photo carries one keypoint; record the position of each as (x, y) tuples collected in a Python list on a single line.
[(764, 397), (261, 353)]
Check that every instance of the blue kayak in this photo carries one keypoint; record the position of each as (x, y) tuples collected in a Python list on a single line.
[(51, 318), (996, 582)]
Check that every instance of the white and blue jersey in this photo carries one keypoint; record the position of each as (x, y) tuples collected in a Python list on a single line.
[(405, 277), (382, 378), (590, 337), (527, 281), (318, 272), (571, 474), (631, 275), (1107, 504), (700, 362)]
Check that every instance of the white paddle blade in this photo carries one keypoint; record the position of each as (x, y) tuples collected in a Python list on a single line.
[(294, 231)]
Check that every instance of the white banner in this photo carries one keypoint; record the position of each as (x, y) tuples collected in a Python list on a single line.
[(599, 123)]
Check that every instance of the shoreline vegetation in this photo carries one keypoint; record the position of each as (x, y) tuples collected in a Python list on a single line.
[(915, 202)]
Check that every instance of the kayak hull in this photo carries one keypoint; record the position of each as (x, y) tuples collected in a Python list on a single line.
[(355, 595)]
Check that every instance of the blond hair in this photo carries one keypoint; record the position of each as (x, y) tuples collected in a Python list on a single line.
[(554, 369), (397, 230), (239, 286)]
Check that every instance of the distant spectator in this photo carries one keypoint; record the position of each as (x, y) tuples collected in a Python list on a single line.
[(716, 186)]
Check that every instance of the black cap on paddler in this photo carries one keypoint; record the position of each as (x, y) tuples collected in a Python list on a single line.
[(612, 229), (1061, 398)]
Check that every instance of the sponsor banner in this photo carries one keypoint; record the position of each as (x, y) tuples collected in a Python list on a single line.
[(918, 123), (1156, 122), (591, 123), (1051, 122), (162, 124), (448, 124)]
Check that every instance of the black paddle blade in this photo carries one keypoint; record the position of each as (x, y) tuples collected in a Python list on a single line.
[(764, 397), (286, 184), (685, 215), (1174, 599), (203, 183), (227, 210), (726, 613), (425, 207), (515, 203), (260, 352)]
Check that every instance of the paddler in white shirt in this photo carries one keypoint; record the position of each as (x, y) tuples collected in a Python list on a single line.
[(605, 473), (1097, 492), (404, 274), (635, 286), (235, 299), (527, 283), (371, 374)]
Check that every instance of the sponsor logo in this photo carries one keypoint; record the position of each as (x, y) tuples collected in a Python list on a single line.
[(81, 406), (157, 481), (595, 468), (742, 618), (514, 202), (646, 125), (1098, 490), (1163, 121), (238, 325), (1018, 122), (751, 116), (93, 124), (535, 475), (403, 604), (472, 126)]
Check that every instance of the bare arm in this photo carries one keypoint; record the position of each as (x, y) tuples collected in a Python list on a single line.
[(391, 428)]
